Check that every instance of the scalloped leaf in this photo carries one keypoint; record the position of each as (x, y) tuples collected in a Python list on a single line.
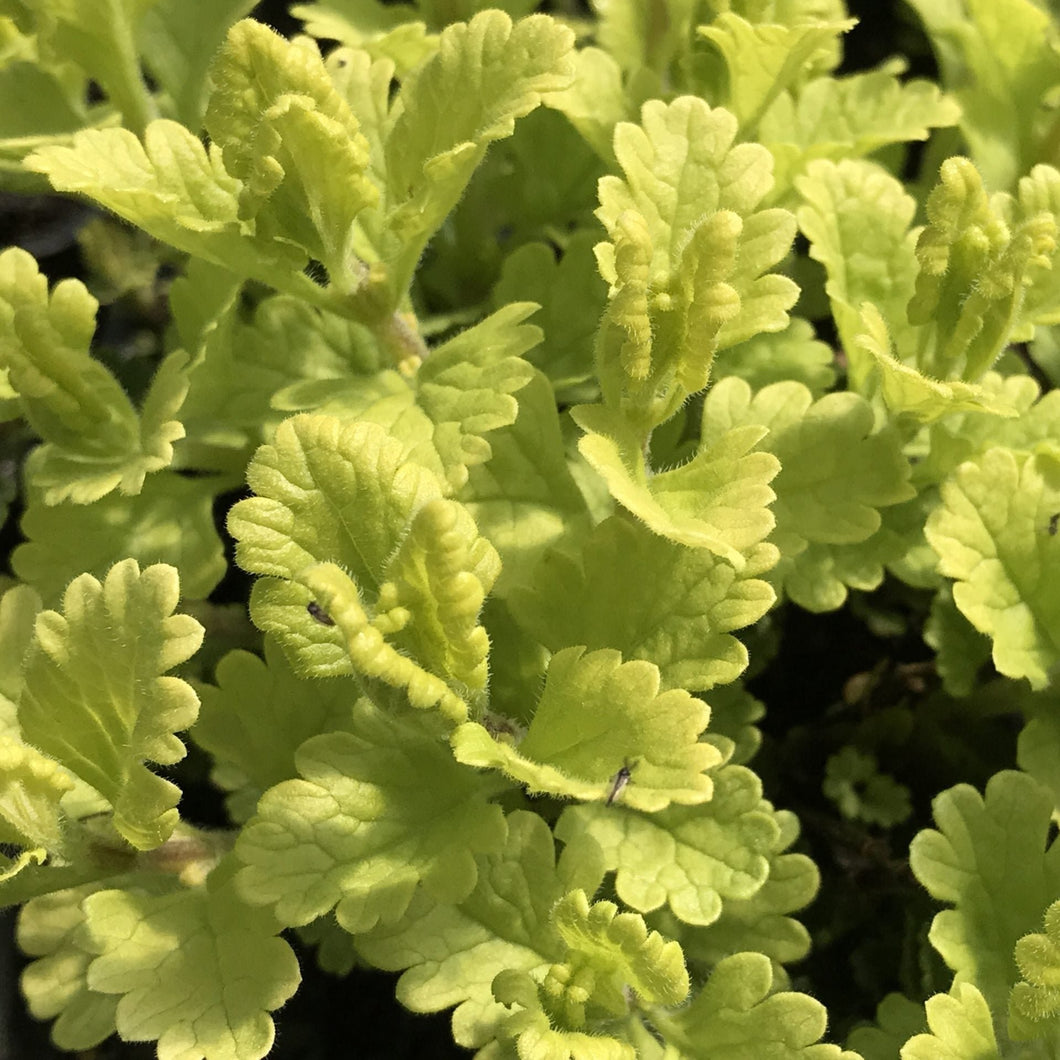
[(675, 607), (781, 53), (837, 471), (687, 255), (857, 218), (717, 501), (169, 521), (850, 117), (693, 859), (353, 833), (178, 192), (485, 74), (596, 717), (991, 535), (503, 925), (19, 607), (897, 1020), (961, 1028), (95, 441), (736, 1016), (95, 698), (991, 858), (206, 999)]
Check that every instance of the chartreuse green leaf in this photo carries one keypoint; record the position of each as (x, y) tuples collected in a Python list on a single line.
[(208, 998), (694, 859), (19, 607), (736, 1016), (760, 922), (525, 498), (611, 957), (850, 117), (260, 712), (173, 188), (999, 57), (641, 38), (781, 53), (906, 391), (718, 501), (571, 295), (961, 1028), (51, 929), (793, 354), (991, 533), (960, 649), (852, 781), (353, 833), (674, 606), (95, 697), (462, 392), (837, 471), (596, 716), (95, 441), (686, 257), (977, 256), (1039, 192), (486, 73), (1034, 1006), (169, 521), (503, 925), (1038, 751), (857, 217), (332, 493), (992, 860), (292, 141)]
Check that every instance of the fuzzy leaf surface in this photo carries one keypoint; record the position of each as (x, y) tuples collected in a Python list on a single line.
[(675, 607), (352, 833), (596, 716), (95, 697), (960, 1025), (991, 535)]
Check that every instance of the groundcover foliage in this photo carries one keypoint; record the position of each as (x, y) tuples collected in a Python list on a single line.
[(533, 378)]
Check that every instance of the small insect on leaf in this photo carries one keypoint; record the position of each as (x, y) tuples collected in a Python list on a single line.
[(319, 613), (618, 784), (1054, 519)]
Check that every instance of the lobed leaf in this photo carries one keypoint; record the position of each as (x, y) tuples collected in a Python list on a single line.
[(991, 535), (596, 716), (95, 698), (960, 1027), (353, 833), (675, 607), (95, 442)]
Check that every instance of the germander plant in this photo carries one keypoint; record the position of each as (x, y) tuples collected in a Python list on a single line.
[(567, 359)]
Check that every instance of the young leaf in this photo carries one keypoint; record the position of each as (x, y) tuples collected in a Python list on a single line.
[(206, 999), (717, 501), (991, 535), (694, 859), (19, 607), (95, 440), (961, 1028), (1034, 1005), (353, 832), (31, 786), (95, 698), (992, 860), (687, 253), (853, 783), (504, 925), (897, 1020), (597, 715), (974, 269), (675, 607)]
